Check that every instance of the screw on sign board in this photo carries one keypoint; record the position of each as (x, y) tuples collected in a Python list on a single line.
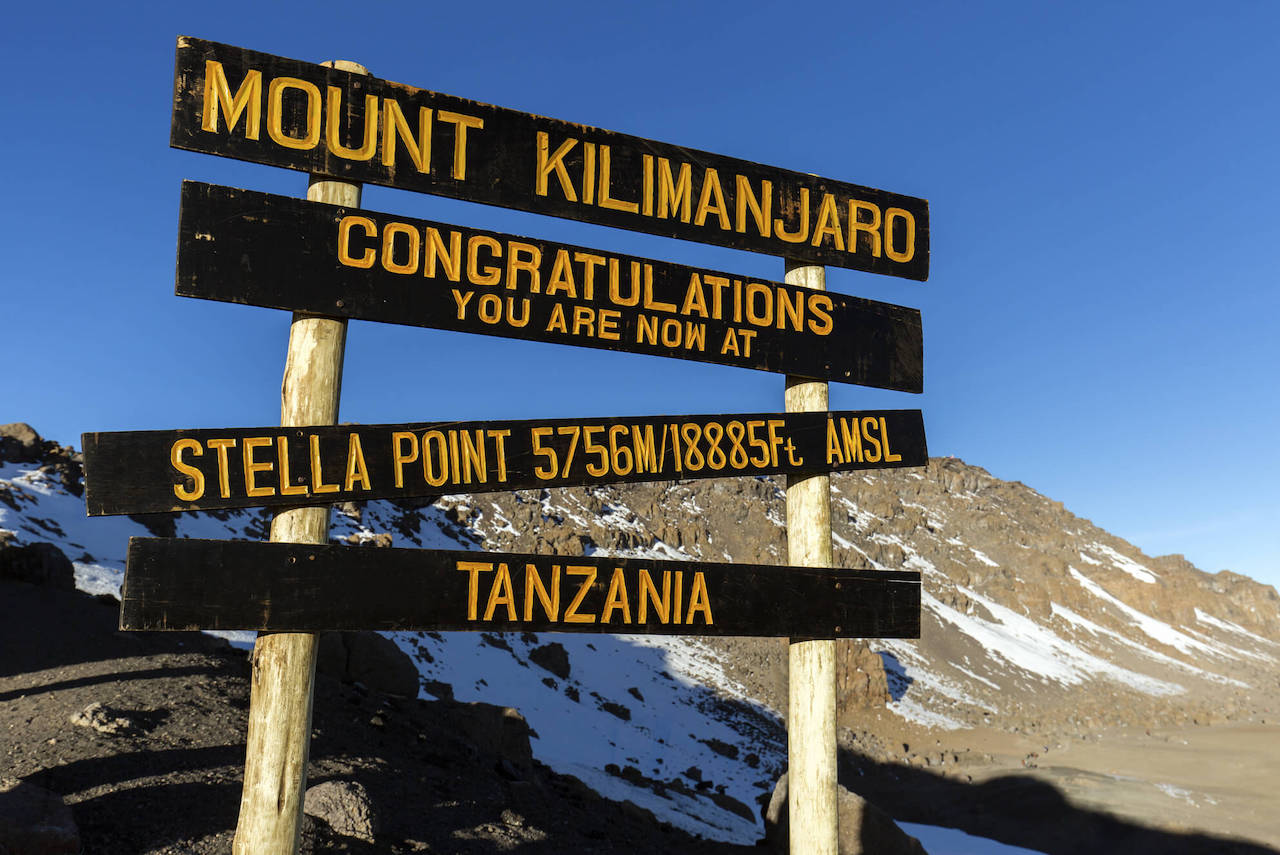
[(144, 472), (179, 583), (245, 247), (267, 109)]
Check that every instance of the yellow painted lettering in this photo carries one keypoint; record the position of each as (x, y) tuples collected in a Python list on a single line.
[(253, 467), (275, 113), (588, 173), (872, 453), (224, 474), (478, 275), (647, 329), (317, 476), (790, 309), (707, 205), (435, 469), (695, 301), (834, 452), (864, 232), (333, 121), (356, 468), (217, 95), (389, 263), (889, 456), (589, 264), (450, 259), (589, 577), (645, 451), (282, 460), (649, 594), (699, 600), (553, 163), (679, 596), (820, 309), (400, 455), (607, 201), (616, 598), (474, 568), (524, 257), (461, 123), (761, 211), (396, 127), (763, 317), (828, 223), (461, 300), (501, 594), (345, 225), (852, 440), (561, 280), (499, 438), (729, 347), (533, 587), (909, 223), (673, 191), (557, 321), (801, 234), (607, 324), (197, 477)]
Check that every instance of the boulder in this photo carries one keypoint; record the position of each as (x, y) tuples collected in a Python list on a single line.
[(34, 821), (860, 681), (102, 719), (20, 443), (864, 828), (498, 732), (38, 564), (344, 806), (368, 658), (553, 657)]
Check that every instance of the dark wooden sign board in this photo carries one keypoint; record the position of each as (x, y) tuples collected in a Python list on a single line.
[(143, 472), (262, 108), (182, 584), (241, 246)]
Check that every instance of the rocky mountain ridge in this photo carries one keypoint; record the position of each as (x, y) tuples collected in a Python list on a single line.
[(1042, 634)]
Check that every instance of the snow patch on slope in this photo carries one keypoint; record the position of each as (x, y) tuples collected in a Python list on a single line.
[(1036, 649), (1227, 625), (1157, 629), (1123, 563)]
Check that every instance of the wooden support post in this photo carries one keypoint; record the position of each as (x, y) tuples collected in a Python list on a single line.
[(811, 696), (284, 663)]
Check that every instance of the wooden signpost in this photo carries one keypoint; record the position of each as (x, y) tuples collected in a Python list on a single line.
[(146, 472), (328, 260), (267, 109), (179, 583), (244, 247)]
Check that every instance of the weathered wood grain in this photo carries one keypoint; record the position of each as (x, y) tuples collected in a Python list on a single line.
[(811, 673), (176, 583), (241, 246), (258, 107), (139, 472)]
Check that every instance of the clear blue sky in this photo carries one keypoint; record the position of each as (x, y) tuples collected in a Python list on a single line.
[(1100, 320)]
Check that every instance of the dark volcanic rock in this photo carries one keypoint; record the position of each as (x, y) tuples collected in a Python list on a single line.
[(34, 821), (440, 776), (345, 807), (20, 443), (552, 657), (368, 658), (37, 564), (864, 828)]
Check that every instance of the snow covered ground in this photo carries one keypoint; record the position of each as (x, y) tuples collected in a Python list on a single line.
[(949, 841)]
